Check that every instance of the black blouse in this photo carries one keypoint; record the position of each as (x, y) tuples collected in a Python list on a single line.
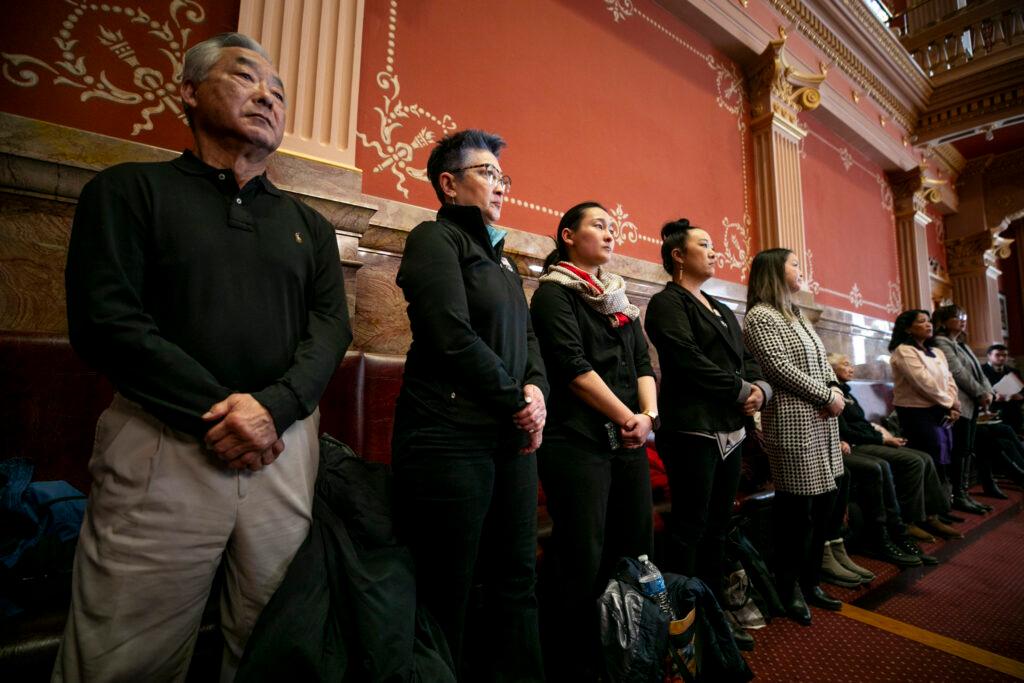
[(575, 339)]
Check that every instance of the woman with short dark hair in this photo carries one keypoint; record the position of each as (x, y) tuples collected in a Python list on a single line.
[(710, 387), (801, 433), (593, 463), (470, 416)]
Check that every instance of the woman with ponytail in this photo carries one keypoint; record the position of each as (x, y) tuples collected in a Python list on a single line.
[(710, 387), (603, 405)]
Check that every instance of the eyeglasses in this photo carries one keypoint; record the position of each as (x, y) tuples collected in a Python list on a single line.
[(493, 176)]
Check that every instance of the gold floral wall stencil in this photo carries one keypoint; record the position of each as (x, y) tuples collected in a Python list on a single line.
[(126, 32)]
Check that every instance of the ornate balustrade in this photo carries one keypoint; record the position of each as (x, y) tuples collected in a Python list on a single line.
[(962, 35)]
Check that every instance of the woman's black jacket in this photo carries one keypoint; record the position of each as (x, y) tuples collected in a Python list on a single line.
[(473, 347), (705, 368)]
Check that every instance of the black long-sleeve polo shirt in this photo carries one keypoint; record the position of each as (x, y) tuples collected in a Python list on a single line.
[(575, 339), (473, 348), (184, 289)]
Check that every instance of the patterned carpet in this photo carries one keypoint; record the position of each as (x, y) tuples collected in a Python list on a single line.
[(975, 595), (837, 649)]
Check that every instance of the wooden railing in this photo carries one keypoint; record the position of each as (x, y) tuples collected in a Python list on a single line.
[(963, 35)]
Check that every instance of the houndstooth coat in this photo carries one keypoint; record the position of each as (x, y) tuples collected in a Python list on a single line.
[(802, 446)]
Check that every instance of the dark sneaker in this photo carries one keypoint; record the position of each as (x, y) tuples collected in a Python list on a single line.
[(892, 553), (911, 548)]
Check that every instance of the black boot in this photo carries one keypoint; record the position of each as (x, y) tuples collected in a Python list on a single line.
[(959, 471), (992, 490), (965, 482), (796, 608), (988, 482), (962, 504), (819, 598)]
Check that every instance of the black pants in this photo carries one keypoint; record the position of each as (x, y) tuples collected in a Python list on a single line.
[(874, 489), (600, 504), (998, 449), (964, 431), (800, 524), (703, 490), (467, 506), (834, 527)]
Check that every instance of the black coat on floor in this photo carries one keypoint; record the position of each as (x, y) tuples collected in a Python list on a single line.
[(346, 610)]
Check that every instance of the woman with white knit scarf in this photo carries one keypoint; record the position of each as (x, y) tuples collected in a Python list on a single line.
[(602, 407)]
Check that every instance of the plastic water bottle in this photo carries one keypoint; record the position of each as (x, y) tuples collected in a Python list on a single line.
[(652, 583)]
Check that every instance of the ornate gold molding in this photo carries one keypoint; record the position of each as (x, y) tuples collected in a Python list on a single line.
[(835, 49), (777, 88)]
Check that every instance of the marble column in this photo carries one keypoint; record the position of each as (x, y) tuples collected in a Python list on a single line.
[(316, 45), (778, 93), (910, 196), (976, 286)]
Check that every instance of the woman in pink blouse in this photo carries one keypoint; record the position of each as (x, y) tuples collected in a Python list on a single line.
[(925, 394)]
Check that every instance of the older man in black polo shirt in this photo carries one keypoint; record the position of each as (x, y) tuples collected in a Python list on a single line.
[(215, 303)]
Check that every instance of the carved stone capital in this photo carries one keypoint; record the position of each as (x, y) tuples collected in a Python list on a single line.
[(912, 191), (976, 252), (778, 89)]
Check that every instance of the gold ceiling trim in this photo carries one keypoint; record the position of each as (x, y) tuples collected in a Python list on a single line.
[(833, 47)]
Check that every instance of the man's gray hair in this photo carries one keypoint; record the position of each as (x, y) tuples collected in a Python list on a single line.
[(201, 57)]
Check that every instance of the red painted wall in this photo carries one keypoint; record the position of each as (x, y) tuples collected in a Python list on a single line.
[(618, 102), (109, 68), (849, 227)]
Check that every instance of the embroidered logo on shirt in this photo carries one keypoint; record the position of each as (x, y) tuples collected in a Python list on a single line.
[(298, 238), (507, 265)]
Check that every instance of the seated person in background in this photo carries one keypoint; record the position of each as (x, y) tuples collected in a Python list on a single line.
[(998, 448), (1008, 407), (919, 494)]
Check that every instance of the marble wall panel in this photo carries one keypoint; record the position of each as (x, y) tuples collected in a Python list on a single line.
[(380, 324), (34, 236)]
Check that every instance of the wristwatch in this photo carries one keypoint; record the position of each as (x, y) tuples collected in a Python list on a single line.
[(655, 420)]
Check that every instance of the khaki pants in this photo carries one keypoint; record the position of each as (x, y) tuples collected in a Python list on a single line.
[(162, 515)]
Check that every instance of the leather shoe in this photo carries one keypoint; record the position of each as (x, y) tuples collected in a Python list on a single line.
[(984, 506), (950, 518), (744, 640), (943, 529), (961, 504), (819, 598), (796, 608), (993, 491), (920, 534)]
